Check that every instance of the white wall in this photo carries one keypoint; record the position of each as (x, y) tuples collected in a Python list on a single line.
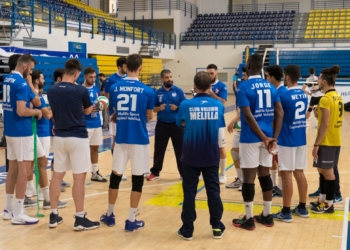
[(210, 6), (188, 59), (58, 42), (95, 4)]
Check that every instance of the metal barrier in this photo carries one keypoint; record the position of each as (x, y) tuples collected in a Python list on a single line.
[(292, 37), (263, 7), (187, 8), (331, 4)]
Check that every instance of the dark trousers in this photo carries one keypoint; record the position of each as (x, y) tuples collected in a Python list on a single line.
[(190, 178), (163, 132)]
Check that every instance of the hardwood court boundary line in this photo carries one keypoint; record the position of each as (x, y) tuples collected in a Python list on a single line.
[(345, 225)]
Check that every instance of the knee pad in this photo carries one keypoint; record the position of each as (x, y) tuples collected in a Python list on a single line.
[(235, 155), (137, 183), (114, 181), (248, 192), (266, 183)]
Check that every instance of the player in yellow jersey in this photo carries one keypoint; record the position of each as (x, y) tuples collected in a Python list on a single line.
[(328, 141)]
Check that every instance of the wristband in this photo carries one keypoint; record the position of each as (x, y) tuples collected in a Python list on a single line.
[(316, 145)]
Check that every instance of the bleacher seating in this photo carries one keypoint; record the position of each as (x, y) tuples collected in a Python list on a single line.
[(265, 25), (326, 24), (150, 67), (319, 59)]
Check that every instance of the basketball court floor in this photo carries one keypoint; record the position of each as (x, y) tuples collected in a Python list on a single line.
[(160, 208)]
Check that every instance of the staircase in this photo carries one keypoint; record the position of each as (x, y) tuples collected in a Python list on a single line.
[(261, 52), (20, 19), (150, 50)]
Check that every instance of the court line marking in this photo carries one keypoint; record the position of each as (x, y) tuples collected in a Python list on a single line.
[(345, 226)]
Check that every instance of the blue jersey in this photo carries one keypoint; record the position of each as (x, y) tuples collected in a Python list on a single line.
[(15, 89), (175, 96), (260, 96), (131, 99), (203, 116), (113, 79), (93, 120), (281, 89), (220, 89), (294, 103), (66, 101), (42, 125)]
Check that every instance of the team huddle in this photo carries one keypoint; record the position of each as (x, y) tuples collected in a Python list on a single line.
[(270, 129)]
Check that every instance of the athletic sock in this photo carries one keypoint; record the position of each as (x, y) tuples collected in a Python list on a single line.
[(132, 214), (94, 168), (302, 205), (279, 185), (18, 207), (330, 189), (273, 177), (267, 208), (322, 198), (30, 185), (110, 209), (248, 206), (223, 166), (80, 214), (45, 191), (54, 211), (286, 210), (239, 173), (9, 202)]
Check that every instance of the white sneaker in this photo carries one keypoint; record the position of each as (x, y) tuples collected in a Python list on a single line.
[(145, 175), (124, 178), (222, 179), (201, 177), (40, 196), (240, 188), (24, 219), (30, 192), (7, 215), (235, 184)]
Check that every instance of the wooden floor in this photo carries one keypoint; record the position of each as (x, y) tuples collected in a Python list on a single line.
[(160, 208)]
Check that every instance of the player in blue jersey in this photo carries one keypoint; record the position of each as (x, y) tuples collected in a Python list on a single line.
[(261, 109), (113, 79), (292, 150), (167, 100), (202, 117), (93, 123), (219, 91), (133, 102), (17, 95), (69, 102), (274, 75), (43, 142), (235, 125)]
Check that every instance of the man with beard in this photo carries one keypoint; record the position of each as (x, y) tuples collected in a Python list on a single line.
[(167, 100), (19, 136), (93, 123), (219, 91), (43, 141)]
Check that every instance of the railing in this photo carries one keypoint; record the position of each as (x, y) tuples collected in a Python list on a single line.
[(169, 5), (292, 37), (106, 27), (263, 7), (337, 4)]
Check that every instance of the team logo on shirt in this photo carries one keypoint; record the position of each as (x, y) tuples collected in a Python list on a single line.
[(173, 94), (216, 91), (24, 84), (202, 102), (160, 97)]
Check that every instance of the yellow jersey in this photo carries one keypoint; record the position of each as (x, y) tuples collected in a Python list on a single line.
[(332, 101)]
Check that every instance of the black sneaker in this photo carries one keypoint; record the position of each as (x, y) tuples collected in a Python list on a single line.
[(276, 192), (244, 223), (265, 220), (218, 233), (55, 220), (323, 208), (314, 203), (83, 223), (183, 237)]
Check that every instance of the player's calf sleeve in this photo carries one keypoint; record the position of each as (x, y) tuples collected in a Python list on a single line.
[(330, 189), (322, 182), (114, 181), (266, 183), (248, 192), (137, 183)]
